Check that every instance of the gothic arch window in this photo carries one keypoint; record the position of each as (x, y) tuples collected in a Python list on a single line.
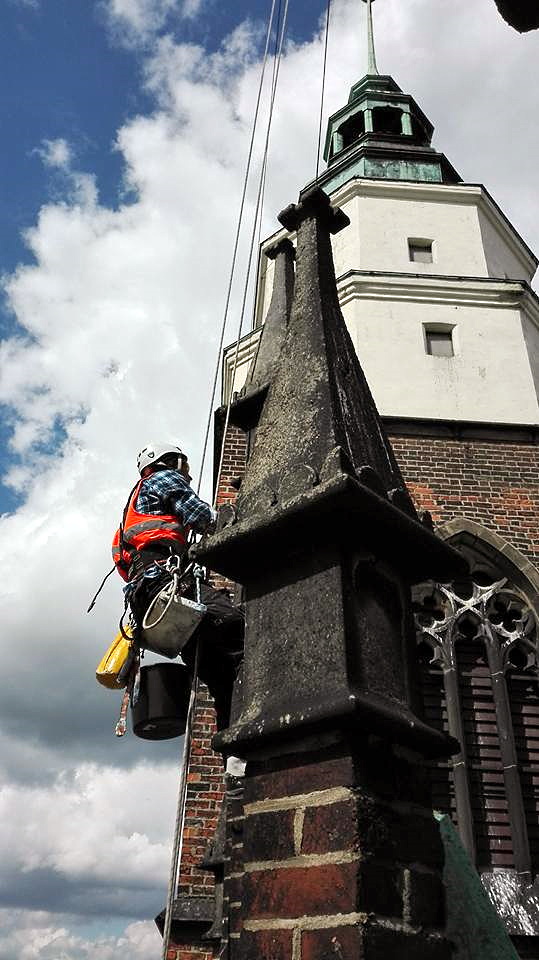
[(478, 649)]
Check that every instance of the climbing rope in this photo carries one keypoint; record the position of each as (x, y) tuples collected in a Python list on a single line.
[(236, 240), (323, 89), (252, 245), (182, 793)]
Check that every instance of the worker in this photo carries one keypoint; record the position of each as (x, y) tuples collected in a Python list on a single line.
[(161, 511)]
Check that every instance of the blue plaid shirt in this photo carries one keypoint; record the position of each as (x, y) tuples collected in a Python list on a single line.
[(167, 491)]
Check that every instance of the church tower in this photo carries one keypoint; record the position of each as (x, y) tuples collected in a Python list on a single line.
[(434, 284)]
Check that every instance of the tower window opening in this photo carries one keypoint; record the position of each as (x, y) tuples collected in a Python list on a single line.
[(439, 343), (420, 251), (387, 120), (352, 129)]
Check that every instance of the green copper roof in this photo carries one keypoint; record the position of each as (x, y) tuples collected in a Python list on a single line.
[(381, 133)]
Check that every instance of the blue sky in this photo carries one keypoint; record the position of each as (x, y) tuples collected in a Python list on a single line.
[(64, 75), (115, 303)]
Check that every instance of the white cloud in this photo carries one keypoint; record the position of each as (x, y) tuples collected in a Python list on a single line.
[(119, 317), (56, 153), (29, 935), (92, 827), (135, 22)]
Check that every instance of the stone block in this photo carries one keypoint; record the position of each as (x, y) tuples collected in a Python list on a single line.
[(338, 943), (330, 827), (301, 891), (266, 945), (371, 941), (269, 836), (301, 778)]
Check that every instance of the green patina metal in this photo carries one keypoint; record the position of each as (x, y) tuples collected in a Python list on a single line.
[(472, 922), (382, 134), (384, 169)]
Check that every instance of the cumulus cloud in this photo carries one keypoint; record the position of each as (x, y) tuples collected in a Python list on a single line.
[(30, 935), (135, 22), (86, 825), (118, 319)]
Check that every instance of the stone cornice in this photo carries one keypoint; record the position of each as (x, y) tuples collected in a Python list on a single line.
[(432, 288)]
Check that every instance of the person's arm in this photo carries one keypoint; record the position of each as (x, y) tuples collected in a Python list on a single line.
[(193, 511)]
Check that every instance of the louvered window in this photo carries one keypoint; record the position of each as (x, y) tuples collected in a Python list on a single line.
[(478, 652)]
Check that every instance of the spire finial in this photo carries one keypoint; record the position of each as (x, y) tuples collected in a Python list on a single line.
[(372, 67)]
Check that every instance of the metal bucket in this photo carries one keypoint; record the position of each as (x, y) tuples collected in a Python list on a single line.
[(170, 622), (160, 712)]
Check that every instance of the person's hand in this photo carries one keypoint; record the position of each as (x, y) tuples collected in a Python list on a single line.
[(184, 469)]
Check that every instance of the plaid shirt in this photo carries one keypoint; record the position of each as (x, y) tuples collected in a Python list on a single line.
[(167, 491)]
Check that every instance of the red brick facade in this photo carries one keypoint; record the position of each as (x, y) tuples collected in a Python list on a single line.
[(495, 484), (206, 773)]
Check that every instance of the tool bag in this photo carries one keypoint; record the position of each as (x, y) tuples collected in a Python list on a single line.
[(171, 619), (110, 672)]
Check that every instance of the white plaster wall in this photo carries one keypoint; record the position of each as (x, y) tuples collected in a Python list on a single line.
[(482, 382), (494, 376), (377, 238), (531, 337), (502, 262)]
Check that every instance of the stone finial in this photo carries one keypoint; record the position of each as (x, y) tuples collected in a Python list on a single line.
[(245, 411), (324, 539), (275, 325), (320, 415)]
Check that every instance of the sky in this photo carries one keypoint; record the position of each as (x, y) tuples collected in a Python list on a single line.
[(126, 127)]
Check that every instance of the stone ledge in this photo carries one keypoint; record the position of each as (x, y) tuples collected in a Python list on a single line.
[(188, 912)]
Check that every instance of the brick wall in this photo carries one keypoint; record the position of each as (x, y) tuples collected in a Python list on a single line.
[(204, 796), (332, 869), (205, 775), (495, 484)]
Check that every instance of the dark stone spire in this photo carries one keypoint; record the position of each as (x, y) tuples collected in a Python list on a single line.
[(320, 399), (325, 540), (245, 412)]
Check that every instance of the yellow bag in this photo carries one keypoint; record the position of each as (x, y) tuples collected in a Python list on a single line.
[(109, 667)]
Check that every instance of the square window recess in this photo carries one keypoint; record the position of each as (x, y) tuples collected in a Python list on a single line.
[(420, 251), (439, 343)]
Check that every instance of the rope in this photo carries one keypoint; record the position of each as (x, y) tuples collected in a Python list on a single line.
[(99, 589), (177, 843), (182, 793), (236, 243), (323, 89), (252, 244)]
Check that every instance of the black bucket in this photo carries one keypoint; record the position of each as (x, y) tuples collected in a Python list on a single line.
[(160, 712)]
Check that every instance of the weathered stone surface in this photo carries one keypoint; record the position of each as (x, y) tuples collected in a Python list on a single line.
[(270, 836), (323, 515), (370, 941), (246, 409), (301, 891), (330, 827), (269, 944), (301, 774), (523, 15)]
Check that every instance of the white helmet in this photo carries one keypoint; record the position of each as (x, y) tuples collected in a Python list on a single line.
[(154, 451)]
